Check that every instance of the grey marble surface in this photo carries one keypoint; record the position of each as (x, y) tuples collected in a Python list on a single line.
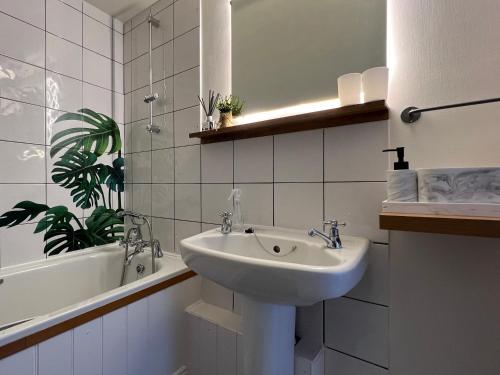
[(459, 185), (402, 186)]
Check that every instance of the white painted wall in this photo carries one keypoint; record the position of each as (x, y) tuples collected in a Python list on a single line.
[(148, 336), (444, 299)]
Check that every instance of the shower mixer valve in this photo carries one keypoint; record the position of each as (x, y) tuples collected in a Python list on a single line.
[(151, 98)]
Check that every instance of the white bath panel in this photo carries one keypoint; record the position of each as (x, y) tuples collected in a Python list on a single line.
[(114, 342), (55, 356), (87, 348), (22, 363)]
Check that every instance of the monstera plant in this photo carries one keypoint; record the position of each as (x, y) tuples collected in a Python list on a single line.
[(79, 171)]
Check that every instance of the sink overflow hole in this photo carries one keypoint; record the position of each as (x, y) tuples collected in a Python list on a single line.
[(276, 249)]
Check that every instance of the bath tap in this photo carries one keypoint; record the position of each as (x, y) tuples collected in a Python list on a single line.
[(134, 238), (333, 238)]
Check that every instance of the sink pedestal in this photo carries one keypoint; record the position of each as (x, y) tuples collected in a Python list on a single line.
[(268, 338)]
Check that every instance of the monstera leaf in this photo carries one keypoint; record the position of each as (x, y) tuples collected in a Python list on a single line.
[(77, 171), (63, 237), (23, 211), (103, 226), (116, 176), (96, 138), (53, 216)]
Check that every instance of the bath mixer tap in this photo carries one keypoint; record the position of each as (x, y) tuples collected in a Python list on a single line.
[(227, 224), (332, 239)]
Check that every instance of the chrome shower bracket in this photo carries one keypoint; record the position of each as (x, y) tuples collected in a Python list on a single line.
[(151, 97)]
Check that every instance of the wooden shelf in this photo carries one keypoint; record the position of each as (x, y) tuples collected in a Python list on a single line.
[(442, 224), (354, 114)]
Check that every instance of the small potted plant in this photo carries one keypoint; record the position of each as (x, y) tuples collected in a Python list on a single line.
[(228, 107)]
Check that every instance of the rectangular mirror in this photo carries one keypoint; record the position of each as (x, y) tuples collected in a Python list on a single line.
[(288, 52)]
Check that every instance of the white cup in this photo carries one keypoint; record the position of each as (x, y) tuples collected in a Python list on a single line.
[(375, 83), (349, 86)]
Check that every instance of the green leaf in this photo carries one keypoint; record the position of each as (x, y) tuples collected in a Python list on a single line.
[(95, 138), (23, 211), (77, 171), (115, 178), (54, 216), (103, 226), (62, 237)]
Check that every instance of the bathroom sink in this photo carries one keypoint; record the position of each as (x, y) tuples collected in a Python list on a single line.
[(276, 265)]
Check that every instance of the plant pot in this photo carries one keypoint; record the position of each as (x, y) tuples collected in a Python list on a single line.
[(226, 120)]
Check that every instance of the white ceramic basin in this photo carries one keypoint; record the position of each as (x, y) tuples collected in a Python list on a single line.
[(304, 271)]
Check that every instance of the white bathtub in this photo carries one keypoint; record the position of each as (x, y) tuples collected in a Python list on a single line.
[(51, 291)]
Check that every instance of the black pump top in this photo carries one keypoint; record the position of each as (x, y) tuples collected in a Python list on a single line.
[(401, 163)]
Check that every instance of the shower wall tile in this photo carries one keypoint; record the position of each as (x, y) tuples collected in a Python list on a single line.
[(163, 166), (186, 16), (165, 139), (20, 237), (14, 193), (21, 122), (64, 57), (97, 98), (185, 229), (24, 82), (214, 199), (186, 51), (217, 162), (186, 88), (140, 40), (186, 121), (28, 45), (63, 93), (163, 200), (97, 69), (187, 164), (97, 36), (188, 202), (97, 14), (30, 11), (141, 162), (164, 32), (64, 21), (22, 163)]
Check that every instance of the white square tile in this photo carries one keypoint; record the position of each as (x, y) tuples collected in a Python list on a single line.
[(22, 122), (165, 138), (359, 329), (140, 40), (97, 69), (257, 203), (127, 26), (127, 47), (64, 57), (162, 61), (12, 194), (140, 72), (77, 4), (253, 160), (165, 102), (140, 137), (185, 122), (298, 157), (141, 167), (140, 111), (214, 201), (96, 36), (187, 51), (88, 344), (163, 166), (187, 164), (28, 43), (186, 16), (118, 26), (164, 231), (217, 162), (164, 32), (23, 82), (354, 153), (140, 18), (358, 204), (55, 355), (22, 163), (31, 11), (97, 14), (64, 21), (298, 205), (119, 108), (118, 44), (97, 99), (185, 229), (54, 127), (160, 5), (63, 93), (141, 198), (20, 237), (186, 88), (128, 108), (208, 226), (163, 200), (60, 196), (338, 363), (127, 77), (374, 287), (187, 202)]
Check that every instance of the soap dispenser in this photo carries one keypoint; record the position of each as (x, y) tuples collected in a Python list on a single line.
[(402, 181), (237, 215)]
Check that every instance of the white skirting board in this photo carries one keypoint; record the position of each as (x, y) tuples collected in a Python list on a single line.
[(453, 209), (215, 344)]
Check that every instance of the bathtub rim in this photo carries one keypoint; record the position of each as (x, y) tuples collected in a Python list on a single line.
[(44, 327)]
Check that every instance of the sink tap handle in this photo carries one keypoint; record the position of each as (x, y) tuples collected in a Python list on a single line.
[(333, 223)]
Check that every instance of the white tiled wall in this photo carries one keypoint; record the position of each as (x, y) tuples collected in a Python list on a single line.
[(55, 56), (145, 337)]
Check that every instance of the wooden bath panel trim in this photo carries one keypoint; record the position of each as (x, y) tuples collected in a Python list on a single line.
[(56, 329)]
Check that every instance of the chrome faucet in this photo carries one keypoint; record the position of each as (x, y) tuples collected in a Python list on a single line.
[(332, 239), (227, 224), (135, 239)]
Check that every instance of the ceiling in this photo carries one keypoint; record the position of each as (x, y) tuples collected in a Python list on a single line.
[(122, 9)]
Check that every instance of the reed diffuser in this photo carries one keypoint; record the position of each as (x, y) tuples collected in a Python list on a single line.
[(209, 110)]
